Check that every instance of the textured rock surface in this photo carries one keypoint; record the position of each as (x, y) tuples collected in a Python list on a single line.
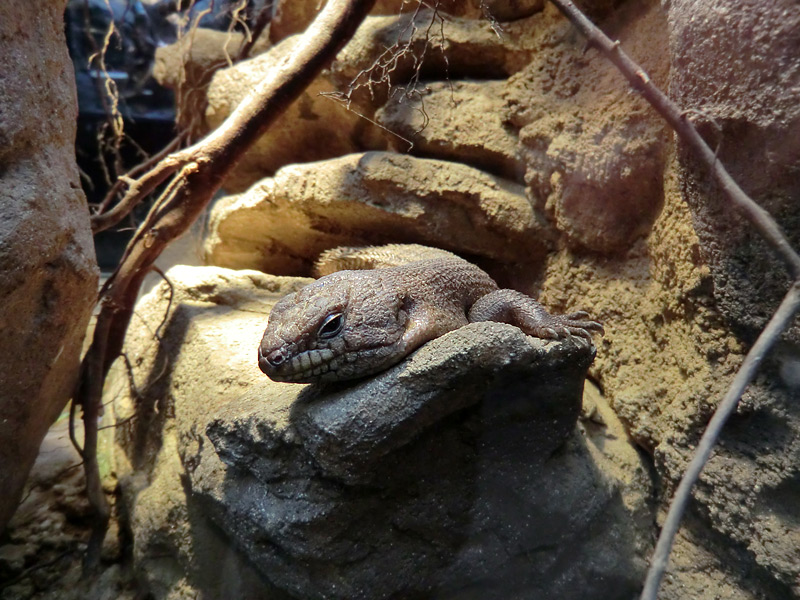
[(664, 362), (48, 272), (427, 477), (460, 121), (742, 70), (282, 224), (594, 151), (737, 64)]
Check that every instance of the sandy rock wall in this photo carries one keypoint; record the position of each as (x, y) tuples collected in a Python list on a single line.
[(516, 146), (594, 152), (741, 73), (48, 271)]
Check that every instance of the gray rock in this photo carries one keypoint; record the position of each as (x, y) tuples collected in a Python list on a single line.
[(444, 475)]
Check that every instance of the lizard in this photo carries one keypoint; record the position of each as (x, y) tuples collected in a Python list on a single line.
[(354, 323)]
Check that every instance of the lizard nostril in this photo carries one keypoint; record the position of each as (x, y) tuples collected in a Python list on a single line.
[(276, 358), (272, 360)]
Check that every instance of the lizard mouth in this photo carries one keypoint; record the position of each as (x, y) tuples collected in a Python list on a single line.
[(304, 367)]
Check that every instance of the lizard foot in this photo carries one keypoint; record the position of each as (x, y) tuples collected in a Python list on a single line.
[(515, 308)]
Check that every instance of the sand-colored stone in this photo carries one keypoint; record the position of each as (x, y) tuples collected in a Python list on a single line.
[(666, 359), (282, 224), (53, 519), (460, 121), (326, 121)]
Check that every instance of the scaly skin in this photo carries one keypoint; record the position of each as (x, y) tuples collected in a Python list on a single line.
[(355, 323)]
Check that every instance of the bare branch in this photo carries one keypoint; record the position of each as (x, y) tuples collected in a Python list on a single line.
[(137, 190), (98, 224)]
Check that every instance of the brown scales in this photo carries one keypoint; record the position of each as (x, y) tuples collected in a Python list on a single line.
[(350, 324)]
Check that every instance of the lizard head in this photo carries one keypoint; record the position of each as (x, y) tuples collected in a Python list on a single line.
[(342, 326)]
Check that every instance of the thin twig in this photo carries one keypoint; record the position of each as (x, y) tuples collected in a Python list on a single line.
[(771, 333), (148, 163), (763, 223)]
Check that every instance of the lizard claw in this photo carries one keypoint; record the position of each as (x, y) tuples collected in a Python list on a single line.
[(557, 327), (581, 332), (584, 328), (564, 327)]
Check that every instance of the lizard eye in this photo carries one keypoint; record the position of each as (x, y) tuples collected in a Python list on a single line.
[(331, 326)]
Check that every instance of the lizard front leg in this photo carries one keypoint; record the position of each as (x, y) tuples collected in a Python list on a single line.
[(515, 308)]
